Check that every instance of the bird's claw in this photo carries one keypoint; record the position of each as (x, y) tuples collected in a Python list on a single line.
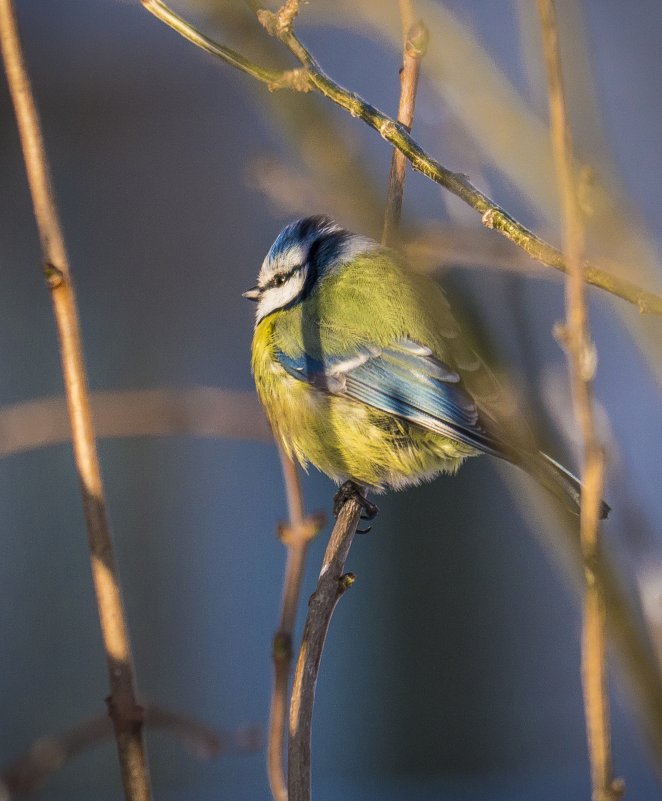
[(351, 490)]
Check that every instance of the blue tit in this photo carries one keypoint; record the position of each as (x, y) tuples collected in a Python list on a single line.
[(362, 370)]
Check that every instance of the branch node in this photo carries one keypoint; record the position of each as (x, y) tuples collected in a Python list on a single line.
[(281, 650), (286, 14), (417, 40), (345, 582), (387, 129), (267, 20), (488, 218), (125, 716), (54, 275), (297, 79), (560, 333), (279, 23), (307, 530)]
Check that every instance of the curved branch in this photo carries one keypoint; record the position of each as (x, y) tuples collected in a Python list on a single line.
[(296, 536), (199, 411), (311, 76), (48, 754), (330, 586)]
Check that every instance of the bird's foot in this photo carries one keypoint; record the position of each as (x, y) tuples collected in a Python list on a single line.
[(352, 490)]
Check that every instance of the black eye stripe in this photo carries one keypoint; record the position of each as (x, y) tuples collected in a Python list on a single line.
[(282, 278)]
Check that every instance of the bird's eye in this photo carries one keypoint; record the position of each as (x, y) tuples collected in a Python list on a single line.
[(279, 280)]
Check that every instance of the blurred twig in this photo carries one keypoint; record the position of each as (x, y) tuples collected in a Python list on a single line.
[(582, 363), (296, 536), (310, 76), (122, 705), (416, 42), (49, 754), (198, 411)]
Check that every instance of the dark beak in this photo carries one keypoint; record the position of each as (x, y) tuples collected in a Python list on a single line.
[(252, 294)]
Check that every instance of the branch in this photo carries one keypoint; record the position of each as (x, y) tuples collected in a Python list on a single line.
[(296, 536), (49, 754), (311, 76), (275, 79), (416, 42), (332, 580), (581, 364), (123, 709), (331, 585), (198, 411)]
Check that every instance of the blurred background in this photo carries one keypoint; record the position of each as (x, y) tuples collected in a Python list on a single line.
[(452, 666)]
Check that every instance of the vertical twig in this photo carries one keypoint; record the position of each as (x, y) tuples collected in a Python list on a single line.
[(330, 586), (582, 363), (332, 580), (296, 536), (415, 45), (123, 709)]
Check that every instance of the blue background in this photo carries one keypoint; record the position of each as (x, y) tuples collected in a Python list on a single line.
[(451, 669)]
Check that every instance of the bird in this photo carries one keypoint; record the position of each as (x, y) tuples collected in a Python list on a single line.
[(364, 373)]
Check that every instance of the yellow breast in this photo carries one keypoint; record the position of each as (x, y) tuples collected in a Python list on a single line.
[(342, 437)]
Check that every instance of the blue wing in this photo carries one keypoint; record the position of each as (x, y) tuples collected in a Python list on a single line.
[(404, 379)]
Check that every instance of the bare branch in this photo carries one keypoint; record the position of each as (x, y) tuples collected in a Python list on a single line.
[(581, 365), (50, 753), (330, 586), (296, 536), (416, 42), (127, 716), (273, 78), (311, 76), (199, 411)]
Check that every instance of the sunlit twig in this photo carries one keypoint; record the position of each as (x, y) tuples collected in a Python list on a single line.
[(416, 42), (126, 715), (582, 363), (310, 76)]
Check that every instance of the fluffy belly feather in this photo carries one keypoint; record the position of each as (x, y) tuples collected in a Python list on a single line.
[(347, 439)]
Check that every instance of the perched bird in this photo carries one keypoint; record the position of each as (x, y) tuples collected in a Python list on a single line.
[(363, 373)]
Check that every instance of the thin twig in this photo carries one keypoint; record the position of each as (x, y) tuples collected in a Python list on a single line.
[(416, 42), (197, 411), (311, 77), (330, 586), (296, 536), (48, 754), (581, 364), (122, 706), (275, 79)]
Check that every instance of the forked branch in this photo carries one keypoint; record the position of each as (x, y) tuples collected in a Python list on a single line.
[(310, 76)]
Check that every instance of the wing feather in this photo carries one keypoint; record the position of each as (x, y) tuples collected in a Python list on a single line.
[(404, 379)]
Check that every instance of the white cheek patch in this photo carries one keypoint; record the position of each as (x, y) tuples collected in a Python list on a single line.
[(278, 296)]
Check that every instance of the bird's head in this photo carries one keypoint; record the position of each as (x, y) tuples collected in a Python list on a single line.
[(303, 252)]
